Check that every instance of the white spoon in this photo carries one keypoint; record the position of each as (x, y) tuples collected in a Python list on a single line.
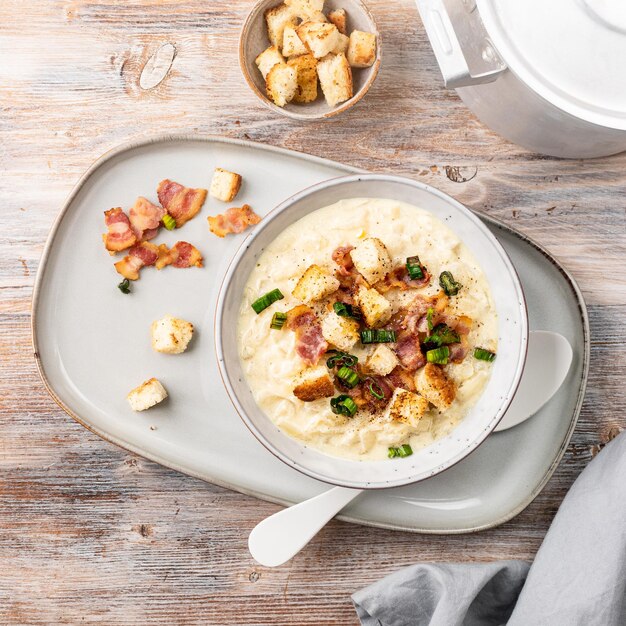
[(281, 536)]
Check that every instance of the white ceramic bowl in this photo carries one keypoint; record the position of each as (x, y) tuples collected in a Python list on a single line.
[(507, 368)]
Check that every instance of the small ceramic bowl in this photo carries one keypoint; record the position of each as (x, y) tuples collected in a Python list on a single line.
[(253, 40), (482, 418)]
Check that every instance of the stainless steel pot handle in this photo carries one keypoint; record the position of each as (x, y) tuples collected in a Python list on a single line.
[(460, 41)]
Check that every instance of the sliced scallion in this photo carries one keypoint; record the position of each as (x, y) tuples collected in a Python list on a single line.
[(124, 286), (373, 335), (346, 310), (267, 300), (429, 318), (343, 405), (414, 268), (348, 376), (375, 389), (392, 453), (442, 335), (439, 356), (405, 450), (169, 222), (484, 355), (340, 358), (448, 284), (278, 320)]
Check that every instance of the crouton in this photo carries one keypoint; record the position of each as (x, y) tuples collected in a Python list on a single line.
[(406, 406), (371, 259), (277, 19), (317, 17), (306, 68), (225, 185), (382, 360), (281, 84), (148, 394), (335, 78), (268, 59), (361, 49), (342, 44), (304, 9), (341, 332), (375, 308), (316, 283), (314, 383), (432, 383), (292, 45), (320, 38), (171, 335), (338, 18)]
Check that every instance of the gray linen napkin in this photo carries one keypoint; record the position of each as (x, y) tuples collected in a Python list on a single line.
[(578, 576)]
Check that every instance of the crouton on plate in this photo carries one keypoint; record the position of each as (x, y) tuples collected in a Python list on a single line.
[(306, 68), (382, 360), (277, 19), (342, 44), (269, 58), (148, 394), (375, 308), (171, 335), (314, 383), (406, 406), (361, 49), (432, 383), (371, 259), (281, 84), (335, 78), (320, 38), (338, 18), (225, 185), (304, 9), (341, 332), (316, 283), (292, 45)]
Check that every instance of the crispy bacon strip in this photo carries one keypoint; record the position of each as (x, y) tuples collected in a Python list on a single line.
[(235, 220), (400, 378), (409, 352), (120, 235), (310, 342), (181, 254), (182, 203), (138, 256), (145, 219), (342, 257), (399, 279)]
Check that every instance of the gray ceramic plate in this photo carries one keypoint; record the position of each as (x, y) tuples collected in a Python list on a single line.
[(92, 345)]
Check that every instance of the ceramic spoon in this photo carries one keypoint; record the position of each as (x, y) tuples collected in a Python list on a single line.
[(281, 536)]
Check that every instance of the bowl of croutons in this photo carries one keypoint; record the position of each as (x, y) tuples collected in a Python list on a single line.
[(309, 59)]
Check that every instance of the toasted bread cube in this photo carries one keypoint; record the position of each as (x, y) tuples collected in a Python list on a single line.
[(382, 360), (341, 332), (277, 19), (316, 283), (375, 308), (338, 18), (225, 185), (317, 17), (406, 406), (171, 335), (268, 59), (342, 44), (148, 394), (281, 84), (314, 383), (371, 259), (361, 49), (292, 45), (432, 383), (320, 38), (306, 68), (304, 9), (335, 78)]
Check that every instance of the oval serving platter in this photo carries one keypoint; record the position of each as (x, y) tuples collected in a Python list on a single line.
[(92, 344)]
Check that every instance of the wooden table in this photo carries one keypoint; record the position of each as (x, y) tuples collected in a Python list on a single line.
[(90, 533)]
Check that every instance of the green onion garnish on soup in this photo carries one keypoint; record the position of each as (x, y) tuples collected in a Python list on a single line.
[(448, 284), (429, 317), (439, 356), (278, 320), (340, 358), (442, 335), (375, 389), (414, 268), (484, 355), (267, 300), (343, 405), (401, 451), (346, 310), (348, 376), (372, 335)]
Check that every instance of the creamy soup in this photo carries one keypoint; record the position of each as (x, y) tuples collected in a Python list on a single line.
[(271, 363)]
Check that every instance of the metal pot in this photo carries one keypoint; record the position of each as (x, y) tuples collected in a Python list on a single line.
[(549, 75)]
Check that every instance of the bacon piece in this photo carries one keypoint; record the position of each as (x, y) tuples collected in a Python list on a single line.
[(145, 219), (399, 279), (342, 257), (120, 235), (235, 220), (310, 342), (409, 352), (138, 256), (400, 378), (181, 254), (182, 203)]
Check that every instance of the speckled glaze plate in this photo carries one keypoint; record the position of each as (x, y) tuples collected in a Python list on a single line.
[(92, 345)]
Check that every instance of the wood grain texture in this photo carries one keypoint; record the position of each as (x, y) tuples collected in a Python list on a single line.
[(89, 533)]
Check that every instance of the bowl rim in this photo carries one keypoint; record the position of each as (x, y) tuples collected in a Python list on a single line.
[(296, 115), (220, 354)]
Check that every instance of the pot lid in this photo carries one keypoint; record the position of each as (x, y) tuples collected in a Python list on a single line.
[(571, 52)]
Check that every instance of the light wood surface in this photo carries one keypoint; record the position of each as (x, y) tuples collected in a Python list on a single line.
[(90, 533)]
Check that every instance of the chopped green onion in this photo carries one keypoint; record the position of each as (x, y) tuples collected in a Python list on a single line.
[(438, 355), (346, 310), (370, 335), (441, 335), (429, 318), (340, 358), (278, 320), (169, 222), (414, 268), (267, 300), (343, 405), (375, 389), (392, 453), (124, 286), (348, 376), (448, 284), (405, 450), (484, 355)]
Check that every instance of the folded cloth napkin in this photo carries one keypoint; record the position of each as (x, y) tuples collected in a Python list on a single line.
[(578, 577)]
